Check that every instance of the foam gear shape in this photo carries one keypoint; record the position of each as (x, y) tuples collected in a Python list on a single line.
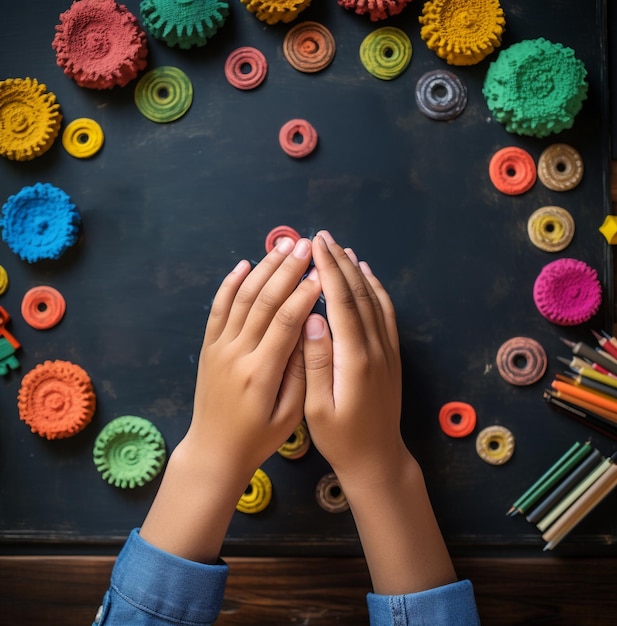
[(183, 23), (30, 119), (4, 280), (56, 399), (129, 452), (40, 222), (164, 94), (462, 32), (100, 44), (567, 292), (275, 11), (535, 87), (376, 9), (8, 360)]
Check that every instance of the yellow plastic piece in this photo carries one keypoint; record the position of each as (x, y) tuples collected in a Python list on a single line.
[(495, 445), (609, 229), (29, 118), (4, 280), (83, 138), (298, 444), (463, 32), (257, 495)]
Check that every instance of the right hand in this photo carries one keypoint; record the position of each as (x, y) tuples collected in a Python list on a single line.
[(353, 372)]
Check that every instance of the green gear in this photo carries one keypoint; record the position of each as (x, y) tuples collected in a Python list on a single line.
[(535, 87), (129, 452), (8, 360)]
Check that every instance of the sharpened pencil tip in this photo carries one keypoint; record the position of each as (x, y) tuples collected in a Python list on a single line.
[(598, 336), (568, 343), (606, 334), (563, 360)]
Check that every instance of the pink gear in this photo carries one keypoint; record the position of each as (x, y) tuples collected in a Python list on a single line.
[(376, 9), (100, 44)]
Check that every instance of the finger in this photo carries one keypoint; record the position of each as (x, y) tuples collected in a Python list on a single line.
[(251, 287), (387, 308), (221, 305), (285, 328), (289, 409), (318, 367), (275, 292), (350, 301)]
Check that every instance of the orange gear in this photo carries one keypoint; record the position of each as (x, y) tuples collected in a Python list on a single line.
[(30, 118), (56, 399)]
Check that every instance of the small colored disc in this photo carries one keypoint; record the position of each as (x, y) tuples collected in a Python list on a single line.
[(4, 280), (164, 94), (298, 138), (521, 361), (512, 170), (386, 52), (495, 445), (329, 494), (560, 167), (309, 47), (441, 95), (246, 68), (276, 234), (457, 419), (257, 495), (298, 444), (550, 228), (43, 307), (83, 138)]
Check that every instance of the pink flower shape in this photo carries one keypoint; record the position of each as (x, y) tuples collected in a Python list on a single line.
[(376, 9), (567, 292), (100, 44)]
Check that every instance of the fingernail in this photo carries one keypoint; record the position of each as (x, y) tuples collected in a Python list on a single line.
[(314, 327), (352, 255), (241, 265), (302, 249), (286, 245), (327, 236), (366, 268), (312, 275)]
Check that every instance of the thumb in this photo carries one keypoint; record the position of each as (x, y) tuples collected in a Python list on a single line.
[(317, 352)]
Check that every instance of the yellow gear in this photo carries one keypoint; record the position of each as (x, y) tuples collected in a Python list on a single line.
[(29, 118), (257, 495)]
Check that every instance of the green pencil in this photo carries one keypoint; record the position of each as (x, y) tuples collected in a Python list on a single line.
[(549, 478)]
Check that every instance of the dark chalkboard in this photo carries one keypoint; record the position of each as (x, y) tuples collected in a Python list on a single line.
[(168, 209)]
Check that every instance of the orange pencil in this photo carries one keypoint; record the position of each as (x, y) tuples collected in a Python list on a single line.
[(587, 406), (587, 396)]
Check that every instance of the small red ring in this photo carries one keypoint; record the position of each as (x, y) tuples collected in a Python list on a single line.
[(43, 307), (460, 427), (241, 58), (302, 129), (512, 170), (273, 237)]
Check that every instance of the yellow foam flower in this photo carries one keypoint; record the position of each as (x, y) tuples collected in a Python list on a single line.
[(29, 118), (463, 32)]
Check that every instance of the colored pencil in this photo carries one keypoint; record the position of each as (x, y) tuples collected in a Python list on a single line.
[(588, 418), (585, 400), (583, 350), (561, 492), (552, 476), (605, 344), (573, 495), (586, 503), (586, 406), (590, 384)]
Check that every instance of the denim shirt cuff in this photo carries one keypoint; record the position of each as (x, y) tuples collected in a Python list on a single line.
[(167, 586), (442, 606)]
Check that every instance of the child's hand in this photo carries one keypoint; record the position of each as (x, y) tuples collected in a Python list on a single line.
[(353, 401), (250, 387)]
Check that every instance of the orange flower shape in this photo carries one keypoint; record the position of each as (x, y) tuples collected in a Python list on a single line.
[(56, 399)]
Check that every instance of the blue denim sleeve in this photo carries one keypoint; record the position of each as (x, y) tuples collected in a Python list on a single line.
[(149, 586), (443, 606)]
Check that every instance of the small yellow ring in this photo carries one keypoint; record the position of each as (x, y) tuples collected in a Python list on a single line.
[(298, 444), (257, 495), (83, 138), (495, 445), (550, 228), (4, 280)]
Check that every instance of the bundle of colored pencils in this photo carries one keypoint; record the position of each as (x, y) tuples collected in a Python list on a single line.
[(570, 489), (588, 391)]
